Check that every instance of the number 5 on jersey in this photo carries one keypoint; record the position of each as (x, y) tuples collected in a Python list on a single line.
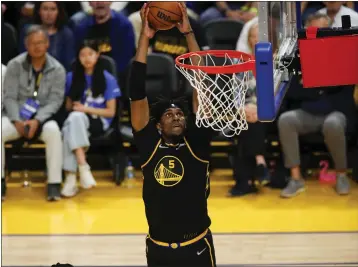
[(171, 164)]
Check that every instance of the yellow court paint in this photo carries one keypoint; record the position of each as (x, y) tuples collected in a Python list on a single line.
[(110, 209)]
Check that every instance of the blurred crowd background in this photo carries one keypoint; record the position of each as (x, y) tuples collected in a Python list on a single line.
[(275, 154)]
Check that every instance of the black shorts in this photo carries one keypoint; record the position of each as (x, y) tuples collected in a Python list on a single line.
[(199, 254)]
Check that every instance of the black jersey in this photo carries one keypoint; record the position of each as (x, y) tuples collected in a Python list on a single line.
[(176, 182)]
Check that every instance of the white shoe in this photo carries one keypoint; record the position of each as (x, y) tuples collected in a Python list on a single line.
[(86, 178), (70, 188)]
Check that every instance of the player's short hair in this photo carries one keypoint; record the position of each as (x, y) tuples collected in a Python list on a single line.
[(158, 108), (317, 16)]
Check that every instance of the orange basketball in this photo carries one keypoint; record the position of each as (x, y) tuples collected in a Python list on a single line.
[(164, 15)]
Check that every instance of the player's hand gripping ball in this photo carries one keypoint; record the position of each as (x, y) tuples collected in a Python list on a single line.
[(164, 15)]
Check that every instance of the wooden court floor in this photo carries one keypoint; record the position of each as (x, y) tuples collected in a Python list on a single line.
[(106, 226)]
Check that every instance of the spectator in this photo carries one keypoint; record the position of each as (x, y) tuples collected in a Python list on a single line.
[(136, 21), (51, 15), (8, 48), (250, 162), (274, 17), (173, 43), (34, 89), (91, 94), (116, 6), (335, 10), (242, 11), (330, 110), (198, 7), (112, 31), (26, 10), (242, 43), (87, 9), (309, 8)]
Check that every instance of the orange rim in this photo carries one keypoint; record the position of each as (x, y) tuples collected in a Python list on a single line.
[(248, 65)]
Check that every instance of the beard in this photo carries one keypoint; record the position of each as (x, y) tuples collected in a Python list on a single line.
[(175, 138)]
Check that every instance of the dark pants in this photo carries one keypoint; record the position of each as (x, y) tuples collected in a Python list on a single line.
[(250, 144), (252, 141), (198, 254)]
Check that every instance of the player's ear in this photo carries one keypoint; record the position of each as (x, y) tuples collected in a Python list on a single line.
[(159, 127)]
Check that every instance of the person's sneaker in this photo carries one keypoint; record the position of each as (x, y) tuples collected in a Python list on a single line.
[(69, 188), (342, 184), (263, 175), (53, 192), (86, 178), (236, 191), (3, 189), (293, 188)]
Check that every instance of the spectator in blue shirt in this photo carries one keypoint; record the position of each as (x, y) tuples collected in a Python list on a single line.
[(91, 94), (51, 15), (112, 31)]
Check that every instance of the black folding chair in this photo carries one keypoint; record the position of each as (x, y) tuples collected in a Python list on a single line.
[(222, 34), (161, 79)]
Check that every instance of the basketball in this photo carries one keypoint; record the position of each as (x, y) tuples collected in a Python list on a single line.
[(164, 15)]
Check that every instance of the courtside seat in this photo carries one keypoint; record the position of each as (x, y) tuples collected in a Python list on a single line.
[(162, 77), (109, 144), (29, 152)]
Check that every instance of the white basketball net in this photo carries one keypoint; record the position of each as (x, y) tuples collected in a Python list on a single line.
[(221, 97)]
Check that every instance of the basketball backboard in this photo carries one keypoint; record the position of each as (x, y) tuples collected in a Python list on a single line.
[(277, 39)]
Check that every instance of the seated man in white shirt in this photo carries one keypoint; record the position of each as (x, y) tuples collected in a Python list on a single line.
[(335, 10)]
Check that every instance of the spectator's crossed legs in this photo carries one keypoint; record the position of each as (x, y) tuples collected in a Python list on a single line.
[(75, 143)]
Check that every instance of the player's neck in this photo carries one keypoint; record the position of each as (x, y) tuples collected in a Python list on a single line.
[(172, 141)]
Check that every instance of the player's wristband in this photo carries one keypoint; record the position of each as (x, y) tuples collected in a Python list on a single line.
[(189, 32), (137, 77)]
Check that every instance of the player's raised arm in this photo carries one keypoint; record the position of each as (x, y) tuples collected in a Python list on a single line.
[(137, 94), (185, 28)]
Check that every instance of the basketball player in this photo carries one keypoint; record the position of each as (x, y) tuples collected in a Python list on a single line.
[(175, 162)]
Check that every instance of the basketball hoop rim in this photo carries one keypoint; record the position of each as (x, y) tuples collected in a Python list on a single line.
[(248, 65)]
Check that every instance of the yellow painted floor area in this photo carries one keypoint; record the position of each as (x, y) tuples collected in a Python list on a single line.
[(108, 209)]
